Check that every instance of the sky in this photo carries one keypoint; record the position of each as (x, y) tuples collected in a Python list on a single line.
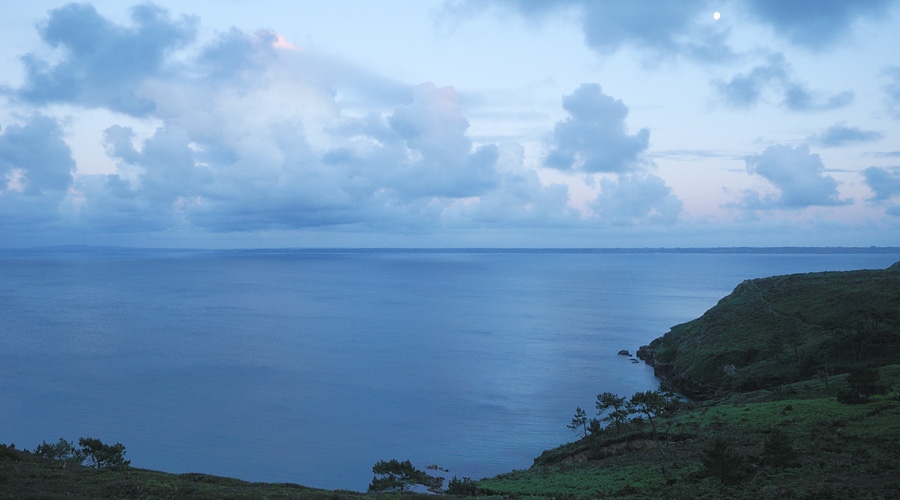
[(460, 123)]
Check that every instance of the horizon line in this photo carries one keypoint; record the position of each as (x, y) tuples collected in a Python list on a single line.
[(715, 249)]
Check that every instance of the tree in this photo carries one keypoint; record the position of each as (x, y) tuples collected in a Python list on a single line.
[(655, 405), (619, 413), (103, 455), (61, 451), (397, 476), (462, 487), (579, 421)]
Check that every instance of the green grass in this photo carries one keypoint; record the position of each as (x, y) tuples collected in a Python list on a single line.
[(582, 480), (787, 328), (25, 476), (849, 451)]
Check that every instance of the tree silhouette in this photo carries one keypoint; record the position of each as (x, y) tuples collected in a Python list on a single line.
[(103, 455), (393, 475), (579, 421), (619, 413)]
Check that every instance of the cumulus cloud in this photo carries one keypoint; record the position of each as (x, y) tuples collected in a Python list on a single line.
[(521, 199), (593, 138), (252, 134), (885, 186), (103, 64), (815, 24), (841, 135), (797, 174), (884, 182), (152, 187), (386, 170), (433, 130), (36, 168), (745, 90), (636, 199)]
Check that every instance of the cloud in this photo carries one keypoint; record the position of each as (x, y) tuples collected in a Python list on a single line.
[(230, 173), (36, 168), (745, 90), (840, 135), (103, 64), (884, 182), (234, 53), (636, 199), (520, 200), (660, 28), (251, 134), (892, 90), (886, 154), (885, 185), (593, 138), (433, 128), (815, 24), (152, 188), (798, 176)]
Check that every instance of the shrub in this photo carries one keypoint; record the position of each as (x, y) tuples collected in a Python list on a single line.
[(721, 461), (778, 450), (862, 383), (394, 475), (461, 487)]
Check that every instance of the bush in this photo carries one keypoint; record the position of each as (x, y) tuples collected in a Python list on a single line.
[(461, 487), (778, 450), (722, 462), (9, 452), (863, 384), (394, 475)]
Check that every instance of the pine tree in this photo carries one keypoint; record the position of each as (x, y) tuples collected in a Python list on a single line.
[(579, 421)]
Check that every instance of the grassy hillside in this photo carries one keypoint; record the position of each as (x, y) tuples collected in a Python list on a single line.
[(839, 451), (782, 329), (26, 476), (772, 364)]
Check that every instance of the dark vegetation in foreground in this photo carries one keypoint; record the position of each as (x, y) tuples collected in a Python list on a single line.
[(796, 387)]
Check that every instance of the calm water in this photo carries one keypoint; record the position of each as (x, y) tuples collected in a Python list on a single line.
[(309, 368)]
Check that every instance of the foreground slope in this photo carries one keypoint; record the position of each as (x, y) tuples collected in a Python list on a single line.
[(26, 476)]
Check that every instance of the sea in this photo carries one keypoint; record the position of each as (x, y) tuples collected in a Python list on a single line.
[(308, 366)]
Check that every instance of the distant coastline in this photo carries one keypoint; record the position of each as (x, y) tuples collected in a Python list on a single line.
[(387, 250)]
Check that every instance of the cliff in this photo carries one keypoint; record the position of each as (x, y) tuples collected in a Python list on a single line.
[(773, 331)]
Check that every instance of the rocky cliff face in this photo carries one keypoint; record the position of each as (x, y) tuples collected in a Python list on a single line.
[(682, 384), (774, 331)]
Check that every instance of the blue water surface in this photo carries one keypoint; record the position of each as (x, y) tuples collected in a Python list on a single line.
[(308, 367)]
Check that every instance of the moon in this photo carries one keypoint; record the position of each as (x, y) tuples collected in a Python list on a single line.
[(716, 16)]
